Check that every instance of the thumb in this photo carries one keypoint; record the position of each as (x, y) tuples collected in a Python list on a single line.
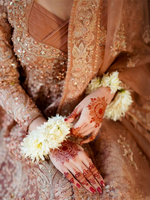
[(76, 112)]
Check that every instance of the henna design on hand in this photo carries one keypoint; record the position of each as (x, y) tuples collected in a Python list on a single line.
[(92, 181), (67, 151), (79, 176), (75, 131), (72, 115), (96, 174), (97, 109), (89, 176), (69, 177), (86, 173), (91, 166)]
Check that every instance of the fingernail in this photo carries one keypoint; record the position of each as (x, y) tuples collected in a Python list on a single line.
[(92, 190), (78, 185), (65, 119), (102, 183), (99, 190)]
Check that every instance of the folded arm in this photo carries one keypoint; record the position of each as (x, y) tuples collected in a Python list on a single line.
[(13, 98)]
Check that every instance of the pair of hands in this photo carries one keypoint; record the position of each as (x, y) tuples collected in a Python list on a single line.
[(70, 158)]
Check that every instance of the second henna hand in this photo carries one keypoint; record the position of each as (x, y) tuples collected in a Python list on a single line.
[(90, 111), (73, 162)]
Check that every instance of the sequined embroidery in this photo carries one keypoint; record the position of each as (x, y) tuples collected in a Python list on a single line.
[(47, 64), (85, 58), (103, 34)]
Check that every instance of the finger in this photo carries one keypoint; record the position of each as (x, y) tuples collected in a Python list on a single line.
[(89, 176), (91, 138), (71, 179), (76, 112), (76, 131), (83, 134), (79, 176), (88, 162), (87, 128), (81, 123)]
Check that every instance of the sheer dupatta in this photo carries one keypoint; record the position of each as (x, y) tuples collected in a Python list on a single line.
[(105, 36)]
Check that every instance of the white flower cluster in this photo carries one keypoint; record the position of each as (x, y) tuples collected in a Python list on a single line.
[(48, 136), (112, 81), (93, 85), (118, 107)]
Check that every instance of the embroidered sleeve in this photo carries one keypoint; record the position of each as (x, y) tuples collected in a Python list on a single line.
[(13, 98)]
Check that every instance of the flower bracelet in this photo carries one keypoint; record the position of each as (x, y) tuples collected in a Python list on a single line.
[(52, 133), (119, 106), (48, 136)]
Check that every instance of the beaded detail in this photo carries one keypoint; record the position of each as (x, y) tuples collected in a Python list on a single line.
[(41, 62), (83, 43), (42, 66)]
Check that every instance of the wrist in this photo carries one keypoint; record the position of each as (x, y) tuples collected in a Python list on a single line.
[(107, 93), (37, 122), (43, 136)]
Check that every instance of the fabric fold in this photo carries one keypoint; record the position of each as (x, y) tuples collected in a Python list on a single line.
[(47, 28)]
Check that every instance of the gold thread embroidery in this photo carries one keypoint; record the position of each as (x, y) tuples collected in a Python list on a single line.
[(84, 51), (132, 60), (127, 150), (103, 34), (120, 42), (146, 35)]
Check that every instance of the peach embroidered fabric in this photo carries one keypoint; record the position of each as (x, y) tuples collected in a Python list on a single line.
[(103, 36), (48, 28)]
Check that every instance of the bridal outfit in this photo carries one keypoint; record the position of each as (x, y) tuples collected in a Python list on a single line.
[(46, 64)]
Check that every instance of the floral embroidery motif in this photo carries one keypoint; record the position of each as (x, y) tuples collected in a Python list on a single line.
[(82, 50), (103, 34), (85, 57), (120, 42), (97, 109), (127, 151), (146, 35), (133, 60)]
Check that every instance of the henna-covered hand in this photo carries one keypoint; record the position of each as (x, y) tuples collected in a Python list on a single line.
[(74, 163), (91, 111)]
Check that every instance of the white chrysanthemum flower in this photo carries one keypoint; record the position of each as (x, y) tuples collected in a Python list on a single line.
[(48, 136), (93, 85), (112, 81), (56, 130), (34, 146), (118, 107)]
